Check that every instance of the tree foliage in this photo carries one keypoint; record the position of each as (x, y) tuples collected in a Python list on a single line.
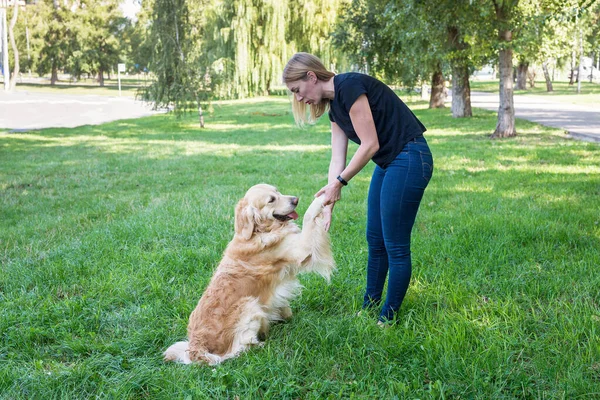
[(77, 37), (249, 41), (418, 40), (100, 26), (59, 38)]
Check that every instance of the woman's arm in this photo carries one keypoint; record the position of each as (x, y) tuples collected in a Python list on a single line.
[(339, 151), (364, 126)]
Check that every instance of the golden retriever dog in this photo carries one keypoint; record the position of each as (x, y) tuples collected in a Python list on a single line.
[(256, 278)]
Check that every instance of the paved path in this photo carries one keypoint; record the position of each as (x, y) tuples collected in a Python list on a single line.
[(580, 121), (23, 110)]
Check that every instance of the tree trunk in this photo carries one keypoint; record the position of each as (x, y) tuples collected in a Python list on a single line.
[(461, 92), (200, 116), (572, 76), (522, 75), (506, 111), (101, 78), (13, 44), (547, 76), (531, 77), (200, 112), (54, 76), (438, 90)]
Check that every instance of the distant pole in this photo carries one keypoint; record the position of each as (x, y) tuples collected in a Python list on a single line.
[(120, 68), (4, 47), (598, 63), (27, 37), (580, 69)]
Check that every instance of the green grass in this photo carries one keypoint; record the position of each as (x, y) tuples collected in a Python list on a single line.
[(111, 88), (109, 234), (562, 91)]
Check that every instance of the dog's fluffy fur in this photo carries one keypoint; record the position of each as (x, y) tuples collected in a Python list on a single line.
[(256, 278)]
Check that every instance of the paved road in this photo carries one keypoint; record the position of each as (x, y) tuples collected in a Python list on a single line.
[(580, 121), (24, 110)]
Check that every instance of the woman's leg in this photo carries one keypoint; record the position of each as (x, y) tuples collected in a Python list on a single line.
[(401, 192), (377, 266)]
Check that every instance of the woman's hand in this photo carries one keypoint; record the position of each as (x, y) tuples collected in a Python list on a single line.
[(331, 193), (326, 213)]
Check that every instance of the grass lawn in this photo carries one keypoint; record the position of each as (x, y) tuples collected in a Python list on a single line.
[(109, 234), (128, 89), (562, 91)]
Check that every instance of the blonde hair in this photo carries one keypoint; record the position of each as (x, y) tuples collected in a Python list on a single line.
[(297, 69)]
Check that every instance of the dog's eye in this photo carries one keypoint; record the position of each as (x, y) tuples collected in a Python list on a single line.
[(271, 199)]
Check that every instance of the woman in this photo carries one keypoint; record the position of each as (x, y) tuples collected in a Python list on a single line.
[(369, 113)]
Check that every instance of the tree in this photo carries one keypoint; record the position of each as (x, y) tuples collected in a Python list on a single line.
[(138, 50), (382, 38), (414, 40), (249, 41), (58, 39), (309, 26), (180, 69), (505, 13), (527, 37), (365, 33), (552, 38), (593, 37), (29, 31), (256, 44), (101, 24)]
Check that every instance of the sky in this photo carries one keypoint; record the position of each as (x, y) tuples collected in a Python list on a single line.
[(130, 8)]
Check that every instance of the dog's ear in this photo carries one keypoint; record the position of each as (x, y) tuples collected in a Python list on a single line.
[(244, 219)]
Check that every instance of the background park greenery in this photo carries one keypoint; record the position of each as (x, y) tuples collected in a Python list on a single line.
[(111, 232), (200, 51), (243, 44)]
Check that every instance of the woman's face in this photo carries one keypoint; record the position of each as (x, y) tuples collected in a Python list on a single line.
[(308, 91)]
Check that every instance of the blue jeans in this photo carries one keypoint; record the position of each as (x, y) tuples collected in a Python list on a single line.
[(394, 198)]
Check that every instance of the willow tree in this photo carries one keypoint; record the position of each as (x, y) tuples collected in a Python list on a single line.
[(310, 24), (251, 40), (247, 45), (259, 35), (177, 59)]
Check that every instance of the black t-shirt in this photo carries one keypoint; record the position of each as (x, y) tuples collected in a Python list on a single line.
[(394, 121)]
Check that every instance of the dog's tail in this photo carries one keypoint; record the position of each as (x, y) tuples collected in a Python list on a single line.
[(179, 352)]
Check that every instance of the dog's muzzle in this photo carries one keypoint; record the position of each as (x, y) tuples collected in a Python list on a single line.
[(283, 218)]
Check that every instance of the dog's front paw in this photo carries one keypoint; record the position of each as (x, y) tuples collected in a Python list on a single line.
[(315, 208), (320, 221)]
